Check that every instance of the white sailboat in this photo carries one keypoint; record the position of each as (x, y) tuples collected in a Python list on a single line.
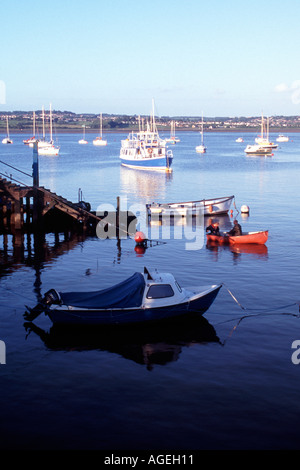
[(7, 139), (44, 147), (172, 139), (32, 139), (83, 141), (263, 139), (201, 148), (99, 140)]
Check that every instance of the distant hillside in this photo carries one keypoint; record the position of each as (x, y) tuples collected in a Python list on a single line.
[(67, 121)]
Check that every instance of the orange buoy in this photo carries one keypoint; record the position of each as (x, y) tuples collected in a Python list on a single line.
[(140, 237), (139, 249)]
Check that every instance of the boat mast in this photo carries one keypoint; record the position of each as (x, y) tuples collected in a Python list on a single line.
[(101, 125), (202, 130), (153, 118), (33, 123), (7, 129), (43, 118), (51, 141)]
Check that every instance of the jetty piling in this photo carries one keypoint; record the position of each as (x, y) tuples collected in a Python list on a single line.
[(37, 209)]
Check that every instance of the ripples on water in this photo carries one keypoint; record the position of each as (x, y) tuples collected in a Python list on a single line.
[(224, 381)]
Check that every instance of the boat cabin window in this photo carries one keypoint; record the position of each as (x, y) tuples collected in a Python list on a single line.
[(160, 291)]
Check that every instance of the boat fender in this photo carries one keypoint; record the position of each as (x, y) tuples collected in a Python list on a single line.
[(245, 209)]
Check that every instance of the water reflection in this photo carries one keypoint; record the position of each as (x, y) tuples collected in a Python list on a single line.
[(147, 345), (147, 186), (257, 251)]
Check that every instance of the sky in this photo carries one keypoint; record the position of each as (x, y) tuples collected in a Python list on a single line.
[(219, 57)]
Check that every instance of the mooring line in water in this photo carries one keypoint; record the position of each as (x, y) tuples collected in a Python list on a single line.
[(260, 310)]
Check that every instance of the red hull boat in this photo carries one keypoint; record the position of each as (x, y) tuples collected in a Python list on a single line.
[(259, 238)]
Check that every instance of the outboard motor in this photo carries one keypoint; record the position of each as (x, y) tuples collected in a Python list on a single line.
[(51, 297)]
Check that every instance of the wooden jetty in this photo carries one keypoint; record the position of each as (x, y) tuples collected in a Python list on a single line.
[(36, 208)]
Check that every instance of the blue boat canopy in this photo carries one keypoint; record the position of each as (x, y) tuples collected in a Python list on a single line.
[(126, 294)]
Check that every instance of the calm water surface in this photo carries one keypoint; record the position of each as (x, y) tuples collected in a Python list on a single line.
[(223, 381)]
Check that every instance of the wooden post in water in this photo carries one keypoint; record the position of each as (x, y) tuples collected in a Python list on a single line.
[(37, 195)]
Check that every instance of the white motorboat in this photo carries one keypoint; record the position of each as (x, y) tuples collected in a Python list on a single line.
[(239, 139), (191, 208), (257, 149), (282, 138)]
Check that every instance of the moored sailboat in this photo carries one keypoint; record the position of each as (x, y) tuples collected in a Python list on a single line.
[(99, 140), (47, 148), (83, 140), (201, 148), (7, 139), (32, 139), (172, 139)]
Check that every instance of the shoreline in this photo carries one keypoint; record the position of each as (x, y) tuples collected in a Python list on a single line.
[(78, 130)]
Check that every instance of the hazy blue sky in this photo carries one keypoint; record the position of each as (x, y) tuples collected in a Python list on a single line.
[(225, 58)]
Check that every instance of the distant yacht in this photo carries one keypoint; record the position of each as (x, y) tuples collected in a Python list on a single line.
[(172, 139), (201, 148), (7, 139), (240, 139), (32, 139), (263, 139), (99, 140), (282, 138), (47, 147), (83, 141), (257, 149)]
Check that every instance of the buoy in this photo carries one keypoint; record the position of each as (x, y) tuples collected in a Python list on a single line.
[(139, 249), (231, 213), (140, 237), (245, 209)]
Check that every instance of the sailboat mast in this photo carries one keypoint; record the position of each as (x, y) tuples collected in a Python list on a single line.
[(101, 125), (50, 124), (153, 119), (33, 123), (43, 118), (7, 129)]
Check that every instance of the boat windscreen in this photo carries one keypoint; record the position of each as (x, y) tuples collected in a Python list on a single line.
[(126, 294)]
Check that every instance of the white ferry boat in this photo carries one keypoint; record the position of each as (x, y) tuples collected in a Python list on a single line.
[(146, 150)]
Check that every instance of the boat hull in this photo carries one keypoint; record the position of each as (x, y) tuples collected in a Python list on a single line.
[(196, 305), (259, 238), (148, 163), (205, 206)]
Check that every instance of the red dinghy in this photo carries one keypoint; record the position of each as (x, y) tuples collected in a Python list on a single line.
[(259, 238), (217, 239)]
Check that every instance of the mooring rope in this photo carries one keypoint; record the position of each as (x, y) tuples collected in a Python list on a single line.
[(260, 310)]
